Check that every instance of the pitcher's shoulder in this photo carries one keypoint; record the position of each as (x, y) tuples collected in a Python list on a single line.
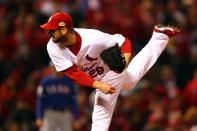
[(90, 33)]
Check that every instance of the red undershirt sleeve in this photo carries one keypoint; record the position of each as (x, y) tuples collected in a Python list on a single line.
[(126, 46), (79, 76)]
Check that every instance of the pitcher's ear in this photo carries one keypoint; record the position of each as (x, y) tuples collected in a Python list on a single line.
[(64, 30)]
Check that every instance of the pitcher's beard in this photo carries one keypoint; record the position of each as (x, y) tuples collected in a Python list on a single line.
[(63, 42), (60, 40)]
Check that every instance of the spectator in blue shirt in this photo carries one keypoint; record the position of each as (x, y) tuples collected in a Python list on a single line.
[(56, 102)]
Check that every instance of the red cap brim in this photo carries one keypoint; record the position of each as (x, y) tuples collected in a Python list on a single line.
[(48, 26)]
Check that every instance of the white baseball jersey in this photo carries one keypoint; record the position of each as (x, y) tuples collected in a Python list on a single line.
[(88, 58)]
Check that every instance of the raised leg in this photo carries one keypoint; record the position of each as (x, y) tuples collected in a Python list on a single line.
[(146, 58)]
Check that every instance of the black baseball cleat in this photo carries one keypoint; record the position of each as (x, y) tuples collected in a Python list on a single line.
[(170, 31)]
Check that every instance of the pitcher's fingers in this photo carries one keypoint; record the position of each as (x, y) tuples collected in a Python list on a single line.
[(113, 88), (112, 91)]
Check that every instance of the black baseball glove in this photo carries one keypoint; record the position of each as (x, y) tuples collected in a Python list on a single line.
[(113, 58)]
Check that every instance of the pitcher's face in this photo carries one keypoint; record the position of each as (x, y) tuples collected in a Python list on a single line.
[(57, 35), (60, 36)]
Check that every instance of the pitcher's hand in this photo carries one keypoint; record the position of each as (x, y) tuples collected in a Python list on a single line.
[(104, 87)]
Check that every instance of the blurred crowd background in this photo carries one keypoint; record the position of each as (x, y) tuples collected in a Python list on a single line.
[(165, 99)]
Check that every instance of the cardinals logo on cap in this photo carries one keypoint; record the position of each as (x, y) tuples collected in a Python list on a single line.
[(62, 23)]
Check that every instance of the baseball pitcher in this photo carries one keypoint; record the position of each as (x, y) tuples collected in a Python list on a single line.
[(85, 56)]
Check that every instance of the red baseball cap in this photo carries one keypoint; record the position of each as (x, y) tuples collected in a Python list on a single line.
[(57, 20)]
